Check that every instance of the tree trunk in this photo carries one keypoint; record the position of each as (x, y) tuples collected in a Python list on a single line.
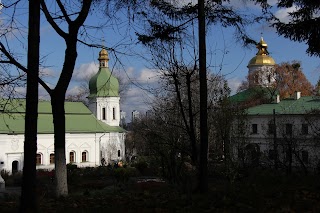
[(194, 150), (28, 190), (57, 103), (203, 166)]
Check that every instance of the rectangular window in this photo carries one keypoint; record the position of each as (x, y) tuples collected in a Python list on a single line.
[(304, 129), (254, 128), (114, 113), (118, 153), (288, 155), (103, 113), (289, 129), (305, 156), (240, 153), (271, 129), (271, 154)]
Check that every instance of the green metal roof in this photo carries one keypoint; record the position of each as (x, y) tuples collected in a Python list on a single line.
[(248, 94), (104, 84), (79, 118), (288, 106)]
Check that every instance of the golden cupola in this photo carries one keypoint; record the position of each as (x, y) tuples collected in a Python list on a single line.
[(262, 57), (103, 58)]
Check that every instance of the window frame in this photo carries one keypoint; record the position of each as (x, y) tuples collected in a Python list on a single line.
[(104, 113), (72, 154), (254, 129), (304, 129), (114, 113), (86, 154), (289, 129), (305, 156), (37, 162), (52, 158), (271, 128)]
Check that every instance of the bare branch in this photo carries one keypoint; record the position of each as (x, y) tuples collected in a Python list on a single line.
[(64, 12), (51, 21)]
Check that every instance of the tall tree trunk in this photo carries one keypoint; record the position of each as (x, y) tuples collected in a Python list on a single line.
[(194, 150), (57, 104), (28, 190), (58, 113), (203, 166)]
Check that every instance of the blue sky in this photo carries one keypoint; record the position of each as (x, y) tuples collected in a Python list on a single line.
[(135, 70)]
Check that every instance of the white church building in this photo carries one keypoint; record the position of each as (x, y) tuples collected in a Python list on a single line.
[(279, 129), (93, 134)]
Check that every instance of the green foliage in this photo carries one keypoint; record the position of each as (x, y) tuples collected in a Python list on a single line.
[(122, 175), (141, 165), (5, 174), (71, 167), (304, 24)]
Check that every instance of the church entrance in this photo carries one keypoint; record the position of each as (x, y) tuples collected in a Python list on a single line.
[(15, 167)]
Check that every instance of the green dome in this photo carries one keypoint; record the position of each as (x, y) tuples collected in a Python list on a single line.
[(103, 84)]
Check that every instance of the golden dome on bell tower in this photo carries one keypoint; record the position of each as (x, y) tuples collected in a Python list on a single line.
[(262, 57), (103, 58)]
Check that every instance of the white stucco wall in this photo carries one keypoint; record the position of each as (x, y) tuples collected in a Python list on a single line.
[(302, 142), (95, 145), (96, 106)]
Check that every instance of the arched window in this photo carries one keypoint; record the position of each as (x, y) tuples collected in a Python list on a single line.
[(15, 166), (51, 158), (84, 156), (39, 159), (72, 157), (118, 153), (114, 113)]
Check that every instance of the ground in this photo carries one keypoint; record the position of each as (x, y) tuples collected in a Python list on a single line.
[(258, 191)]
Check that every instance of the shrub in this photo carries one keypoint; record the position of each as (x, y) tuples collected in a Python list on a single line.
[(122, 175), (5, 175), (141, 165), (71, 167)]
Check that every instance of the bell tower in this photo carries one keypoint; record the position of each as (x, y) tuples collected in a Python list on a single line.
[(104, 100), (261, 67)]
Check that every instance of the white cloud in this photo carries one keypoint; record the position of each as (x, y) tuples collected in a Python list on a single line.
[(76, 90), (85, 71), (148, 76), (283, 14), (234, 83), (47, 72)]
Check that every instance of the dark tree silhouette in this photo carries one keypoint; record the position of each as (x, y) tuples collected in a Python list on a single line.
[(304, 23)]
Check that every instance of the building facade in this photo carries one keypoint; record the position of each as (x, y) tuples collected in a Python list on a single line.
[(93, 134), (276, 132)]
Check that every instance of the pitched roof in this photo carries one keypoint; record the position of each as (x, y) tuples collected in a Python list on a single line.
[(288, 106), (79, 118), (251, 93)]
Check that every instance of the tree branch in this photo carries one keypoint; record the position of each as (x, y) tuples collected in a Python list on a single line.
[(83, 13), (64, 12), (14, 62), (51, 21)]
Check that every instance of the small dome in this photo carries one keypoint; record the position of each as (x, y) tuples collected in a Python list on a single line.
[(103, 55), (262, 57)]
